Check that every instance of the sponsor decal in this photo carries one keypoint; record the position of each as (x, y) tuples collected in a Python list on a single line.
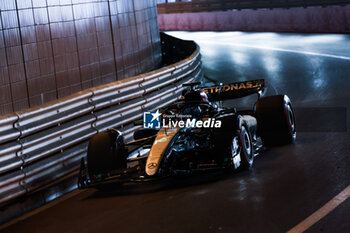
[(152, 165), (233, 86), (151, 120), (162, 140)]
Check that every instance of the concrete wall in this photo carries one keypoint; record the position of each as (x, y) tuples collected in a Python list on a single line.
[(53, 48), (331, 19)]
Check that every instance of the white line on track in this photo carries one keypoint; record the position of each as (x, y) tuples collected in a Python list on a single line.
[(276, 49), (322, 212)]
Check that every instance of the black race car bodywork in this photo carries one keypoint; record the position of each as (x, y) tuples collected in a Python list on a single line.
[(230, 140)]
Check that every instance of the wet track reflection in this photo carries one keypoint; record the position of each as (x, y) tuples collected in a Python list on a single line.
[(286, 184)]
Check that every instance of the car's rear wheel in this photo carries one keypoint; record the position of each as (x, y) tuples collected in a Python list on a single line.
[(106, 152), (276, 121)]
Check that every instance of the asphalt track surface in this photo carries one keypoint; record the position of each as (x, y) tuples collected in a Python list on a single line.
[(286, 184)]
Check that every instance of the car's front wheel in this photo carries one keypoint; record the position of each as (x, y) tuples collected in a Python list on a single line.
[(242, 150), (106, 152)]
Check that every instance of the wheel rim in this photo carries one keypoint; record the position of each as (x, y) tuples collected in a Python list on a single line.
[(234, 147), (235, 152), (291, 119), (246, 142)]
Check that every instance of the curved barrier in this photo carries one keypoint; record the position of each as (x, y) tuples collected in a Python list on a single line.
[(44, 144)]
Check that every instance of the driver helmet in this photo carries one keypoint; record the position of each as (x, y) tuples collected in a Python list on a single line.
[(196, 95)]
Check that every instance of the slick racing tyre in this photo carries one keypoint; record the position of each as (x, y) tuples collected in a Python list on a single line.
[(106, 152), (276, 122)]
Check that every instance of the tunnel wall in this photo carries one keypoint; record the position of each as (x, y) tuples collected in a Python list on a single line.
[(50, 49), (331, 19)]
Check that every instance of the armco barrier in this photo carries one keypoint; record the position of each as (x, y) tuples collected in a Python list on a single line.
[(41, 145)]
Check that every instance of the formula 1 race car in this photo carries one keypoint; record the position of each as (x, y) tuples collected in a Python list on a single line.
[(196, 134)]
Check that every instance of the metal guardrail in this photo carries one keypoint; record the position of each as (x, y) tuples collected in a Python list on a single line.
[(46, 143), (223, 5)]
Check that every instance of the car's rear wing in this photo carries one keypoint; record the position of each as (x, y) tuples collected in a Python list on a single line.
[(234, 90)]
